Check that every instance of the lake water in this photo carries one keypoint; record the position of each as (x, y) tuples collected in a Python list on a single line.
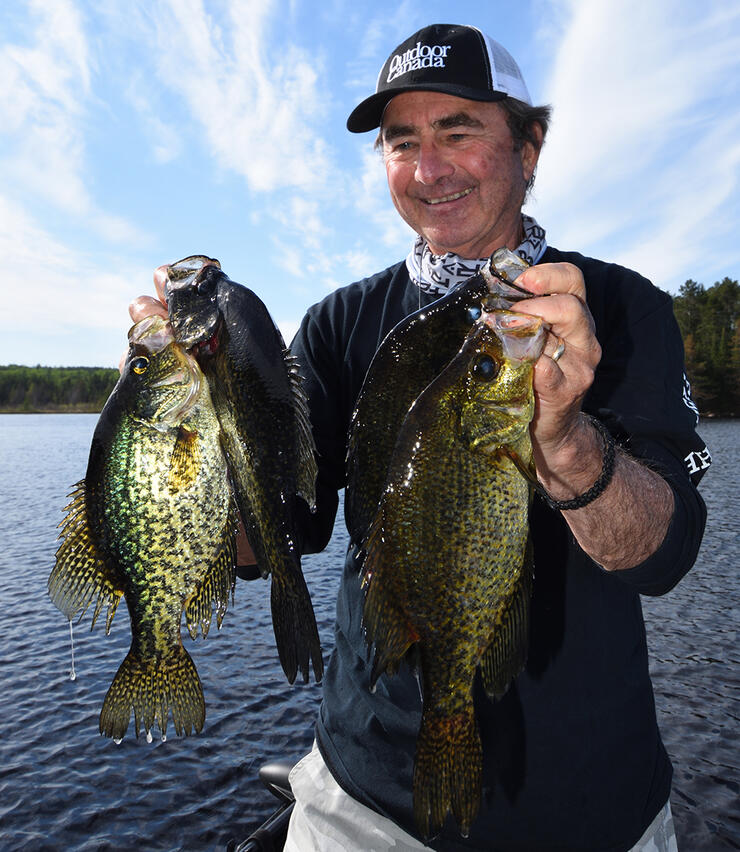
[(63, 787)]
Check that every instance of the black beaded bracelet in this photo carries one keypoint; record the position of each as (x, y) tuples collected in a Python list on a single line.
[(605, 477)]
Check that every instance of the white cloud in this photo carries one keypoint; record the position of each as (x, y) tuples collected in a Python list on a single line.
[(629, 160), (50, 288), (256, 99), (46, 85)]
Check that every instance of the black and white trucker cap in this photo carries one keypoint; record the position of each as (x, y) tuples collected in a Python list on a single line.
[(455, 60)]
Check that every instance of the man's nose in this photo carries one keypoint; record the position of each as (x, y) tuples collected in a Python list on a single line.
[(431, 164)]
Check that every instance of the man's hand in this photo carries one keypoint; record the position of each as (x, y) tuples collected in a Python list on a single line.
[(146, 306), (629, 520), (560, 386)]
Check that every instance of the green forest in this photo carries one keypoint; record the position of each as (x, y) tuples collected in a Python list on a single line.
[(709, 319), (42, 389)]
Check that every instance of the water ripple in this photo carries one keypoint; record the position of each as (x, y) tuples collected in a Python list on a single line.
[(64, 787)]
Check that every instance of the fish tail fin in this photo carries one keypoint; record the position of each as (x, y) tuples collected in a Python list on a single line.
[(294, 624), (151, 688), (447, 771)]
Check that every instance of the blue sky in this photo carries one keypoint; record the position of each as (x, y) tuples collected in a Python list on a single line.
[(136, 133)]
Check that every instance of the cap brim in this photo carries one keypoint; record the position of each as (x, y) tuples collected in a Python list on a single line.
[(368, 114)]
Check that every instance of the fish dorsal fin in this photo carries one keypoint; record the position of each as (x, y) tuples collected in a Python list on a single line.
[(307, 467), (216, 585), (185, 461), (81, 572), (505, 657)]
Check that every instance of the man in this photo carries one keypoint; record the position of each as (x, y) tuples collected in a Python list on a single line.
[(573, 759), (572, 755)]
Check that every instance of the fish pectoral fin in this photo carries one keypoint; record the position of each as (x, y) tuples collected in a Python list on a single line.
[(528, 471), (185, 462), (307, 466), (151, 688), (216, 585), (506, 656), (80, 571)]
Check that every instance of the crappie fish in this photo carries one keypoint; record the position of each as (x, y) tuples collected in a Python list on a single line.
[(412, 354), (153, 521), (448, 565), (265, 432)]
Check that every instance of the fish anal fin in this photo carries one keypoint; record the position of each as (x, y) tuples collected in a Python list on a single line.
[(447, 771), (81, 572), (152, 688), (506, 656), (185, 462), (216, 586), (386, 624)]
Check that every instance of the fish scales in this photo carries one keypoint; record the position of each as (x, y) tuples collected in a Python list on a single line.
[(154, 522), (265, 432), (412, 354), (448, 566)]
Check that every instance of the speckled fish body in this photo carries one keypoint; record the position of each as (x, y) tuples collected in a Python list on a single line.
[(266, 435), (153, 521), (413, 353), (448, 562)]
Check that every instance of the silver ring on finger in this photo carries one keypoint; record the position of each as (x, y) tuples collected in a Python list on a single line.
[(559, 349)]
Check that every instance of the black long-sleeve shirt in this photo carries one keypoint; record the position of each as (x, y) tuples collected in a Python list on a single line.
[(573, 758)]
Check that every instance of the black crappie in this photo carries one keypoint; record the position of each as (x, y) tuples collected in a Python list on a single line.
[(448, 561), (412, 354), (154, 521), (266, 435)]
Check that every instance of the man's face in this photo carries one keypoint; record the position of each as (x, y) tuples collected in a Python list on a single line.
[(453, 173)]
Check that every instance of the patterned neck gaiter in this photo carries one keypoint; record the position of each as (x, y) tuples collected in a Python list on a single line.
[(437, 273)]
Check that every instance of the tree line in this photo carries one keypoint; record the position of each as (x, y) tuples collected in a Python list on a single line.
[(42, 389), (709, 319)]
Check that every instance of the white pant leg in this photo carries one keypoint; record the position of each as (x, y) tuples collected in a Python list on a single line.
[(326, 819), (660, 835)]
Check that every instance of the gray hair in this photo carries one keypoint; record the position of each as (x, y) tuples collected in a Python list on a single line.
[(521, 117)]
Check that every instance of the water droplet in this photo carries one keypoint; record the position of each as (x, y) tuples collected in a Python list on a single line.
[(164, 738), (149, 736), (118, 740), (72, 672)]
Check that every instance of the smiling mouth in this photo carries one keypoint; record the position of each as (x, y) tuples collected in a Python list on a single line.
[(453, 197)]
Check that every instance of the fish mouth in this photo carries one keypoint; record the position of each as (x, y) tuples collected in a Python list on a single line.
[(190, 376), (207, 348), (443, 199)]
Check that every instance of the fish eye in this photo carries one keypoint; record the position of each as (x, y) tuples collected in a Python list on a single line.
[(139, 365), (484, 368), (207, 286), (473, 313)]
